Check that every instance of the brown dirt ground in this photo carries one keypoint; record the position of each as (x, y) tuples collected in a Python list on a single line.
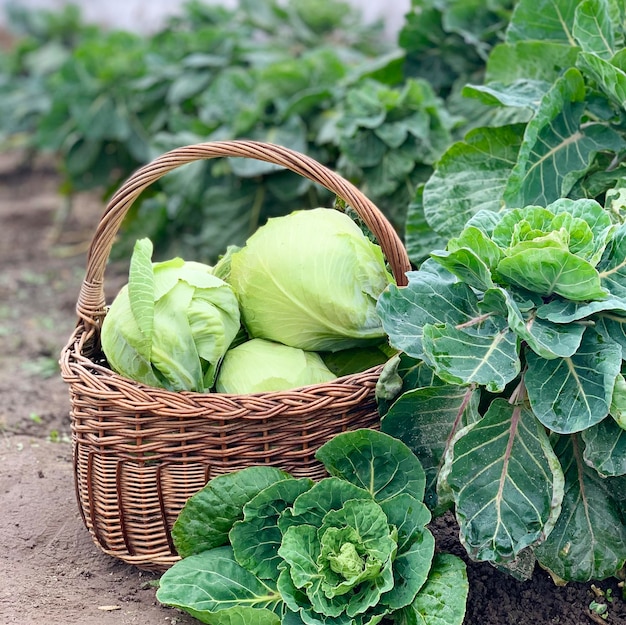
[(51, 570)]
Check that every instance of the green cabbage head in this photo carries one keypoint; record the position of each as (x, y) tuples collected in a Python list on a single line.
[(311, 280), (259, 366), (171, 324)]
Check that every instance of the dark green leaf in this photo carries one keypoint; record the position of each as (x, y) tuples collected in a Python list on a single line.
[(483, 351), (605, 448), (425, 419), (507, 483), (589, 539), (571, 394)]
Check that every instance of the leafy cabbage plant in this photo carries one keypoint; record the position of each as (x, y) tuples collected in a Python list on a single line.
[(510, 388), (258, 365), (310, 280), (171, 324), (261, 547)]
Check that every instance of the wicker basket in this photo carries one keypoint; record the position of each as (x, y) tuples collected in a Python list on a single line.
[(140, 452)]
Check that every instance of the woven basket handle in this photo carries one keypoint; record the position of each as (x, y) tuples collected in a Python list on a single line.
[(91, 301)]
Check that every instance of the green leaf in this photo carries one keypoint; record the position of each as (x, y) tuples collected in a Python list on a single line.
[(593, 29), (208, 516), (542, 20), (556, 150), (605, 448), (507, 483), (255, 539), (551, 270), (589, 539), (425, 419), (562, 311), (571, 394), (482, 351), (610, 79), (618, 402), (213, 588), (466, 265), (529, 60), (612, 267), (547, 339), (416, 546), (141, 294), (427, 299), (471, 176), (377, 462), (523, 93), (442, 600), (311, 507)]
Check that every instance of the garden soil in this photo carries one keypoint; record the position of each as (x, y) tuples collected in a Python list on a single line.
[(50, 570)]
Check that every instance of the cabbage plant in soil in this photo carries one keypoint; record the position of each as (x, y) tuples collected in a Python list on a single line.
[(510, 386), (259, 546)]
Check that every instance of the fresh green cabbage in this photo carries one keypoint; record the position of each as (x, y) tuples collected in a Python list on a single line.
[(171, 324), (258, 366), (311, 280)]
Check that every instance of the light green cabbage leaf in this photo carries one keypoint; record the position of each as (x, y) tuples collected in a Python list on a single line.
[(258, 366), (311, 280), (171, 324)]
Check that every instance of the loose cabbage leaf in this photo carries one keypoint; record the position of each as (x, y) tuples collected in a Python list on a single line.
[(507, 483)]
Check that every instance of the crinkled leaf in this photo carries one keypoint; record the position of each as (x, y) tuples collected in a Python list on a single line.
[(311, 507), (477, 240), (255, 539), (416, 547), (427, 299), (589, 539), (507, 483), (545, 338), (426, 419), (213, 588), (382, 465), (471, 176), (571, 394), (208, 516), (593, 29), (485, 351), (556, 150), (443, 598), (605, 448)]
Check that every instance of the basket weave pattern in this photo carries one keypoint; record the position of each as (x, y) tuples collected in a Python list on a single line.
[(140, 452)]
